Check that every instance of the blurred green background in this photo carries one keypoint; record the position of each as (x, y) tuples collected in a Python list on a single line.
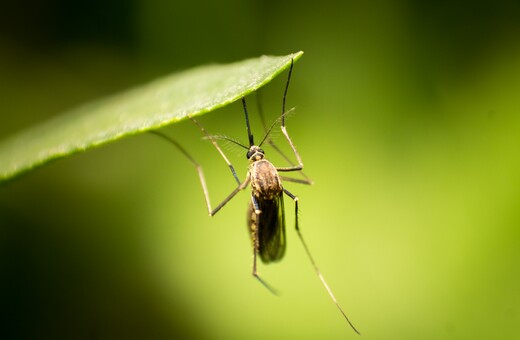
[(407, 121)]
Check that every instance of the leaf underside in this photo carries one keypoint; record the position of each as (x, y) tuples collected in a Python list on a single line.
[(148, 107)]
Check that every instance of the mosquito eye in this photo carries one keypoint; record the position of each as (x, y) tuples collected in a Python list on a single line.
[(250, 154), (261, 151)]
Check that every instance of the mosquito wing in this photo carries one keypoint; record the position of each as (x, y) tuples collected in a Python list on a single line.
[(269, 228)]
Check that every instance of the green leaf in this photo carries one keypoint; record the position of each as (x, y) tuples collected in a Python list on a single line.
[(159, 103)]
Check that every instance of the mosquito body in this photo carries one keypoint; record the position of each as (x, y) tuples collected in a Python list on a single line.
[(266, 213)]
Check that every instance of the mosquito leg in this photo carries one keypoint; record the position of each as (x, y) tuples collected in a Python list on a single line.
[(299, 166), (198, 167), (270, 140), (255, 209), (241, 187), (297, 180), (293, 166), (316, 269), (215, 144)]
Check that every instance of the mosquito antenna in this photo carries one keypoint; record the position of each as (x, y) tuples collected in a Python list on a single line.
[(285, 92), (273, 125), (267, 132), (226, 138), (249, 134)]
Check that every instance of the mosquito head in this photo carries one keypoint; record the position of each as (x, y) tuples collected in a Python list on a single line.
[(255, 153)]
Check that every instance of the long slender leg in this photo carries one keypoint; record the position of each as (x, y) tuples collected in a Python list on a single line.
[(215, 144), (270, 141), (198, 167), (299, 166), (316, 269), (194, 162), (297, 180), (255, 209), (296, 154), (241, 187)]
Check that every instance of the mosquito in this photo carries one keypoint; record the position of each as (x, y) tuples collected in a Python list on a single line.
[(266, 214)]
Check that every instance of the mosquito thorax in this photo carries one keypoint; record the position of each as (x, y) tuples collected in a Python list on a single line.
[(255, 153)]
